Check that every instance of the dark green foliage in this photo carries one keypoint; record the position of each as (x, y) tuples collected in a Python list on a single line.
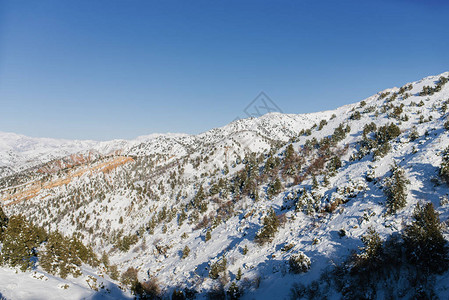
[(299, 263), (208, 236), (269, 229), (185, 252), (371, 256), (322, 124), (383, 95), (425, 245), (20, 240), (414, 135), (63, 256), (274, 188), (428, 90), (369, 128), (239, 274), (218, 268), (178, 295), (113, 272), (105, 260), (339, 134), (129, 277), (446, 125), (444, 169), (396, 190), (379, 143), (234, 292), (334, 164), (405, 88), (217, 293), (355, 116), (147, 290), (123, 244), (3, 223), (387, 133)]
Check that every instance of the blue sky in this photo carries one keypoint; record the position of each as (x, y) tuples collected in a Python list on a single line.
[(108, 69)]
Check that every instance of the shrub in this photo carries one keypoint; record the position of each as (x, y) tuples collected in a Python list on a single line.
[(355, 116), (218, 267), (299, 263), (129, 277), (185, 252), (425, 245), (208, 236)]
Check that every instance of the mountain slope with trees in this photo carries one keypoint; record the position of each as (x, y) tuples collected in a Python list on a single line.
[(285, 206)]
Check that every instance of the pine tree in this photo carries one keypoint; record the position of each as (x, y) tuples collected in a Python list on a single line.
[(20, 241), (239, 274), (444, 169), (371, 254), (425, 244), (269, 229), (396, 190), (3, 223)]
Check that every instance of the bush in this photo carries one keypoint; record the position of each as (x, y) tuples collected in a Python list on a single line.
[(129, 277), (299, 263), (425, 245), (185, 252), (217, 268), (355, 116)]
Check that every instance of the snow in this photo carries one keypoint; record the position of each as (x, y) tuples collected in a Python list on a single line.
[(269, 263), (38, 285)]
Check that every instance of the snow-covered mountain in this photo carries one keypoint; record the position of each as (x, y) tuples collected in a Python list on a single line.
[(177, 206)]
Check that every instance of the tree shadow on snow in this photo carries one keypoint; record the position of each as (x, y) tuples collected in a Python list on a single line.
[(111, 291)]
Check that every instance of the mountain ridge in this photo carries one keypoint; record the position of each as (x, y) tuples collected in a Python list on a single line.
[(325, 178)]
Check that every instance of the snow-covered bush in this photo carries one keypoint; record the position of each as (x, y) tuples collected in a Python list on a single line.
[(299, 263), (218, 267)]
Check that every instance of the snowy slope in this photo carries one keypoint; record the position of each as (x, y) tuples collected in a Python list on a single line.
[(147, 194)]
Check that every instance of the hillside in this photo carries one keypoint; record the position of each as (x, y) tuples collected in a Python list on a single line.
[(231, 208)]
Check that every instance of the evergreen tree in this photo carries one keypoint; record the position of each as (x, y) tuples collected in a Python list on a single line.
[(371, 254), (269, 229), (425, 245), (20, 241), (444, 169), (396, 190), (3, 223), (239, 274)]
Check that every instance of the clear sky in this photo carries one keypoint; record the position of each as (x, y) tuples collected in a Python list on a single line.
[(103, 69)]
